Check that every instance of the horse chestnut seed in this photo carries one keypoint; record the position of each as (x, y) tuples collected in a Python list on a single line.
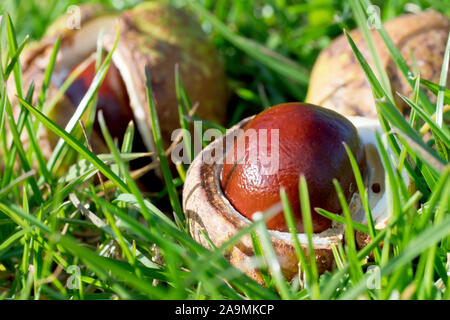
[(112, 98), (310, 143)]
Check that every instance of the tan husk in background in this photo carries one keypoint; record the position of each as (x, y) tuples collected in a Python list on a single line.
[(339, 83)]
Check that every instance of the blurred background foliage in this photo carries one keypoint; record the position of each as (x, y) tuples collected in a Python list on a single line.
[(296, 29)]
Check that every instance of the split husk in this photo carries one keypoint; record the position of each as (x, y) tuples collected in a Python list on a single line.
[(153, 34), (207, 209)]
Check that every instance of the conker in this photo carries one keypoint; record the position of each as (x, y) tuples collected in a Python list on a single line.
[(310, 143), (112, 99)]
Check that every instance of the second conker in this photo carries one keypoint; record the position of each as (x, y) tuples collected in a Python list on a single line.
[(112, 100), (310, 143)]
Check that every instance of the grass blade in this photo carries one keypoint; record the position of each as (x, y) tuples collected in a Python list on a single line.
[(355, 268), (442, 84), (435, 88), (271, 258), (442, 132), (77, 146), (342, 220), (15, 58), (308, 226), (174, 200), (271, 59), (361, 20), (416, 246), (48, 73), (305, 267), (400, 62), (388, 109)]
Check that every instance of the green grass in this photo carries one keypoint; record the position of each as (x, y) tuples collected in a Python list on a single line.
[(132, 245)]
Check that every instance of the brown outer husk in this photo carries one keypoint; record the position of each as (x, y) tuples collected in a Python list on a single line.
[(180, 41), (339, 83)]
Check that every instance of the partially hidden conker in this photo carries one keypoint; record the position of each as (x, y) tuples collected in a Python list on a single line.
[(112, 99), (310, 143)]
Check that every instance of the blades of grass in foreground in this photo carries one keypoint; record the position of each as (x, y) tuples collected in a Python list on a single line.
[(342, 220), (104, 267), (204, 259), (132, 200), (124, 170), (16, 182), (22, 218), (271, 258), (416, 246), (113, 231), (259, 254), (364, 198), (442, 132), (355, 268), (73, 75), (18, 143), (2, 114), (203, 262), (92, 107), (168, 256), (12, 44), (433, 200), (128, 138), (303, 265), (412, 122), (435, 88), (13, 49), (393, 195), (400, 62), (308, 226), (15, 58), (174, 201), (390, 112), (337, 257), (361, 20), (333, 283), (83, 166), (194, 119)]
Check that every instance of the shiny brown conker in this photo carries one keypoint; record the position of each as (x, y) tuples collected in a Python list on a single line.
[(112, 98), (310, 143)]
